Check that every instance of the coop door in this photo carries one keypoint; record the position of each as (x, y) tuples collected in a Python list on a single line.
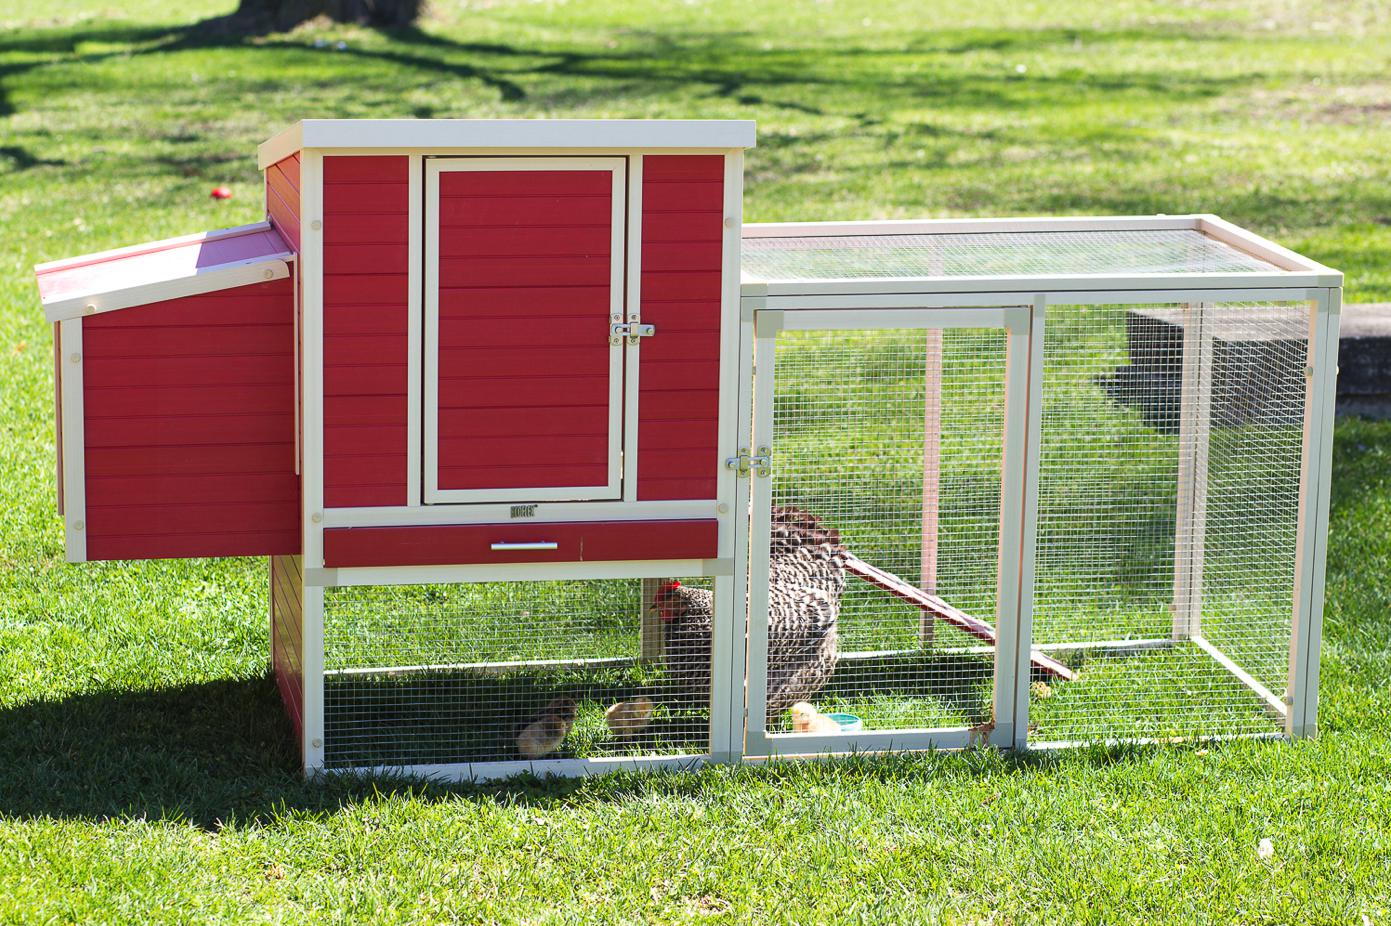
[(523, 279), (887, 529)]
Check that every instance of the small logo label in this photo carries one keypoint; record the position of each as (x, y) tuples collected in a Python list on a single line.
[(523, 511)]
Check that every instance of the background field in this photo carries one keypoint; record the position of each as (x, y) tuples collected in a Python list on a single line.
[(146, 773)]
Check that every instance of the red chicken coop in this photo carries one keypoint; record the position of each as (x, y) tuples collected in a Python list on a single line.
[(548, 483)]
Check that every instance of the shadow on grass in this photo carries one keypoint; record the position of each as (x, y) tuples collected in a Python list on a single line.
[(218, 751)]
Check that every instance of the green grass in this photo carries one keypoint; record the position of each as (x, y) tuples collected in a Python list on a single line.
[(146, 772)]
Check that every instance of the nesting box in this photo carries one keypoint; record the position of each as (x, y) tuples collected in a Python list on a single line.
[(548, 483)]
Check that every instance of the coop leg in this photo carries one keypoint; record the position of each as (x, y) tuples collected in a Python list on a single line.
[(650, 633), (1195, 423), (932, 474)]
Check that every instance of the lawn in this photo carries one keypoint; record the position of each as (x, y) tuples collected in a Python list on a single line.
[(146, 771)]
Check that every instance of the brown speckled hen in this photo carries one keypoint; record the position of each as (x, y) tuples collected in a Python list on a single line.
[(806, 578)]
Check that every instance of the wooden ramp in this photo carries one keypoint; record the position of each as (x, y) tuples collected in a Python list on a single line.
[(940, 609)]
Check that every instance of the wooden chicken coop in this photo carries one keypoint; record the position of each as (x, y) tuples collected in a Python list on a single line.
[(545, 484)]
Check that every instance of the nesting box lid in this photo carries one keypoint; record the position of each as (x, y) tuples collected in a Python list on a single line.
[(454, 135), (160, 270)]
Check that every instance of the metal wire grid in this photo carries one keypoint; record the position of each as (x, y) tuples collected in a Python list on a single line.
[(1170, 462), (895, 438), (437, 674), (989, 253)]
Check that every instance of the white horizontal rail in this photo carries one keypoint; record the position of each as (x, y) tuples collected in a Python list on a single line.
[(1272, 701), (487, 668)]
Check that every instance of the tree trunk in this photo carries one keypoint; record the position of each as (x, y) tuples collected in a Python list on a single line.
[(286, 14)]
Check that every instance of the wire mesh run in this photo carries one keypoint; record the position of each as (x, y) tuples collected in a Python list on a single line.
[(894, 439), (443, 674), (1171, 452), (853, 257)]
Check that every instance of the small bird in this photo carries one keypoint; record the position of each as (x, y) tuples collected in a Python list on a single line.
[(629, 718), (543, 735), (807, 719)]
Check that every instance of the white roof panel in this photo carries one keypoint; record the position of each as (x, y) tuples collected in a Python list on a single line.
[(159, 270), (511, 134)]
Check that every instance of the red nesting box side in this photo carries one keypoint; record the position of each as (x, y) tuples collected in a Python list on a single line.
[(188, 423)]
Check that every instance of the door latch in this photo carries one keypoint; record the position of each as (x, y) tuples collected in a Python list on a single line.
[(760, 463), (630, 330)]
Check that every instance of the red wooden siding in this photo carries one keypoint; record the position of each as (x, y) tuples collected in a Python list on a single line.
[(366, 291), (682, 248), (584, 541), (283, 198), (188, 414), (524, 269), (287, 634)]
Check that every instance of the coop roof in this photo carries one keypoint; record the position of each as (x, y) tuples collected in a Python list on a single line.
[(1018, 255), (513, 134), (159, 270)]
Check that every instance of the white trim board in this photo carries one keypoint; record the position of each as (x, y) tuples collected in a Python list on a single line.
[(510, 134)]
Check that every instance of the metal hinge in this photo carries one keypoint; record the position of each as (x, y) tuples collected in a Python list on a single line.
[(630, 330), (761, 463)]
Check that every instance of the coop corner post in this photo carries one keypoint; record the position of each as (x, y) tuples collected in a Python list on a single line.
[(1315, 479), (312, 486), (1190, 526), (1010, 647), (727, 710), (1028, 529), (312, 745), (759, 531)]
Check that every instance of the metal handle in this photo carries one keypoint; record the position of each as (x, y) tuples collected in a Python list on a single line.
[(533, 545)]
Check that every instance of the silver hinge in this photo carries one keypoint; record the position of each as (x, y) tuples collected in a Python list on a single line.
[(630, 330), (761, 463)]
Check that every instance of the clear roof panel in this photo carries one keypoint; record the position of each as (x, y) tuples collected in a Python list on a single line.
[(859, 257)]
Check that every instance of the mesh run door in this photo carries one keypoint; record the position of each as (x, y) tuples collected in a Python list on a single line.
[(886, 515)]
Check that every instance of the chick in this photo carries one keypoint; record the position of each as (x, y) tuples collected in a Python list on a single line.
[(806, 719), (629, 718), (543, 735)]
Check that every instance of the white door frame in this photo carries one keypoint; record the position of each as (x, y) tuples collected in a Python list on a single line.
[(1010, 644), (613, 488)]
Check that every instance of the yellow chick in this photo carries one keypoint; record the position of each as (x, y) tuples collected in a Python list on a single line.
[(629, 718), (544, 735), (806, 719)]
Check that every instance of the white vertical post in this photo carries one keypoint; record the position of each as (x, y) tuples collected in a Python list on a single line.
[(1312, 544), (312, 747), (415, 321), (1009, 649), (932, 473), (632, 370), (312, 331), (74, 447), (731, 500), (722, 674), (760, 529), (1195, 426), (1028, 530), (742, 509)]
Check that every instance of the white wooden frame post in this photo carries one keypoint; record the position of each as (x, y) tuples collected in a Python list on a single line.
[(932, 474), (1027, 553), (1312, 549), (1195, 431), (1011, 646)]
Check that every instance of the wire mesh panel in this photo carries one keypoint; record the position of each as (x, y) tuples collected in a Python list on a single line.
[(851, 257), (885, 487), (444, 674), (1171, 454)]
